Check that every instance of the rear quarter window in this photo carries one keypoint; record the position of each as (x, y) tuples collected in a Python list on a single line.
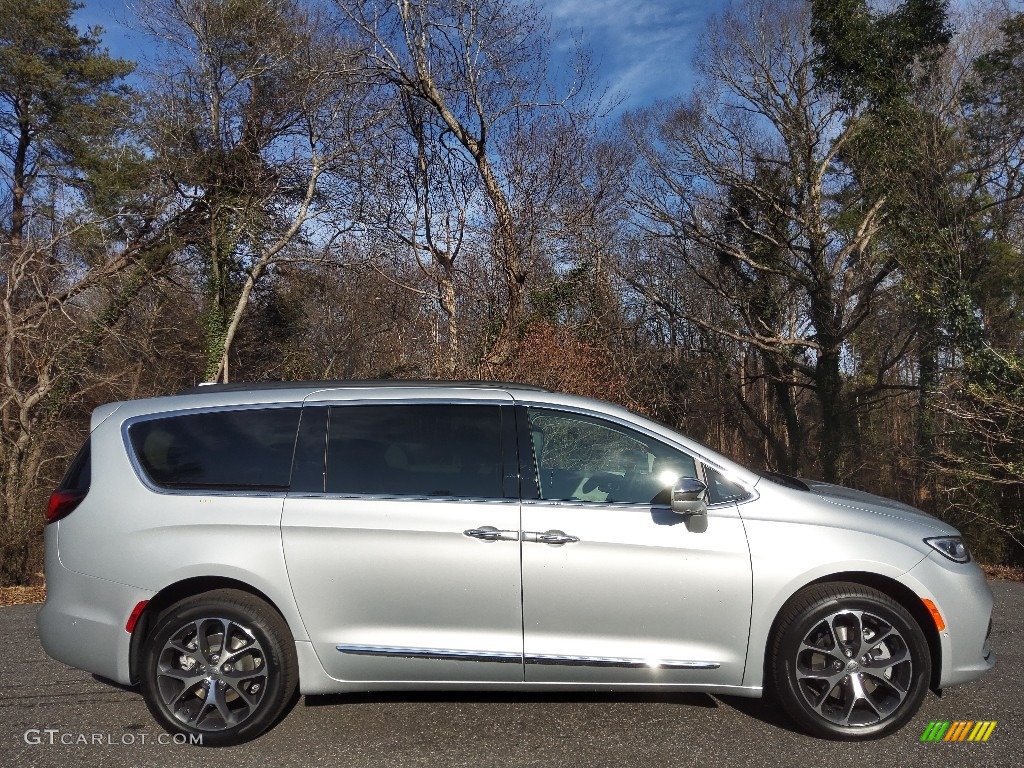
[(243, 449), (79, 474)]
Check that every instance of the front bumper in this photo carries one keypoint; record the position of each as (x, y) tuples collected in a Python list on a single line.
[(965, 601)]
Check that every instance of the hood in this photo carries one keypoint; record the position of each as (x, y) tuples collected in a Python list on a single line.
[(879, 505)]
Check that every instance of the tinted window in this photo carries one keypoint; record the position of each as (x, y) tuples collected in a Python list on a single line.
[(310, 451), (585, 459), (415, 450), (721, 490), (79, 474), (224, 450)]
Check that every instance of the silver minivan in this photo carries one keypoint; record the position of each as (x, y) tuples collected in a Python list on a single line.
[(236, 545)]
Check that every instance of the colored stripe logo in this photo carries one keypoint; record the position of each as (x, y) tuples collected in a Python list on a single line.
[(958, 730)]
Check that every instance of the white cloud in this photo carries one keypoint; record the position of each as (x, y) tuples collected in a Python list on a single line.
[(643, 49)]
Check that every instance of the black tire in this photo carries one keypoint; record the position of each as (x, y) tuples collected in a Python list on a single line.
[(848, 662), (193, 689)]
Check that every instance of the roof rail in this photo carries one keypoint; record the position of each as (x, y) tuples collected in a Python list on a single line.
[(254, 386)]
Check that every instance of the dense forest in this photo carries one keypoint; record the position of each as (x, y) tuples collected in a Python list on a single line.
[(811, 261)]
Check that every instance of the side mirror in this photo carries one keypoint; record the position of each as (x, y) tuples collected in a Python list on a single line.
[(688, 497)]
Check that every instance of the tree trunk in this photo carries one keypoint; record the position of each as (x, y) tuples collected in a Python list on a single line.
[(829, 381), (447, 300), (927, 381), (18, 176), (791, 460)]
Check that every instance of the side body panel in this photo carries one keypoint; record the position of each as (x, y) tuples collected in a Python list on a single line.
[(796, 538), (641, 585), (394, 588), (163, 537), (402, 591), (126, 542), (639, 594)]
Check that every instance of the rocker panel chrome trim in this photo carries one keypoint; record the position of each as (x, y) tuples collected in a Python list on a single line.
[(431, 653), (609, 661), (441, 654)]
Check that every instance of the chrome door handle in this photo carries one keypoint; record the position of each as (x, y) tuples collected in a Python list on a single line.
[(554, 538), (490, 533)]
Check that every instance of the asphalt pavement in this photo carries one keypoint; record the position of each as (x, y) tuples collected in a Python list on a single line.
[(52, 715)]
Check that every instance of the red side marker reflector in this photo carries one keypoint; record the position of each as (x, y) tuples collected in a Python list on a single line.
[(134, 618), (936, 616)]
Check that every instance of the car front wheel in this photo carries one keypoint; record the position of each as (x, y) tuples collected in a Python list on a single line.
[(849, 662), (219, 668)]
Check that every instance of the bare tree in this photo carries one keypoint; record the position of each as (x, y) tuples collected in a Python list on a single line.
[(83, 233), (978, 458), (471, 76), (745, 189), (67, 288), (418, 208), (251, 116)]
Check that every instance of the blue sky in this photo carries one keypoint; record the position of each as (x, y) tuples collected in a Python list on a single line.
[(112, 16), (642, 49)]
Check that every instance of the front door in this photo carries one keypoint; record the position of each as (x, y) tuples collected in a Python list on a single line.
[(616, 587)]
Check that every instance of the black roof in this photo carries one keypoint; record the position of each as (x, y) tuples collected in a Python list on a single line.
[(255, 386)]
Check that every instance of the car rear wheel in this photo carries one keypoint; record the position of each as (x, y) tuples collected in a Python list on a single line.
[(849, 662), (220, 666)]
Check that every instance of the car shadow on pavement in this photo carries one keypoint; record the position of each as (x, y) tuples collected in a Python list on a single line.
[(119, 686), (764, 709), (497, 697)]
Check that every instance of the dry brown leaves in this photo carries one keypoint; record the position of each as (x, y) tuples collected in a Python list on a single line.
[(556, 358), (22, 595), (1005, 572)]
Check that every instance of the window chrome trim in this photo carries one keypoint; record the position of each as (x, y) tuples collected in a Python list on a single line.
[(144, 478), (544, 659), (617, 506), (385, 497)]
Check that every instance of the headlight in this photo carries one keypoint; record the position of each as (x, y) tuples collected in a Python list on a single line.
[(952, 547)]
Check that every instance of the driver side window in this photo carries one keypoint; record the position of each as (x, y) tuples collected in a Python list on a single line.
[(579, 458)]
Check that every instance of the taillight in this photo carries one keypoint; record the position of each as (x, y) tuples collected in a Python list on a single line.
[(63, 503)]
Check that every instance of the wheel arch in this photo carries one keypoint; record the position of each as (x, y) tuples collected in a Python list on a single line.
[(174, 593), (901, 593)]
